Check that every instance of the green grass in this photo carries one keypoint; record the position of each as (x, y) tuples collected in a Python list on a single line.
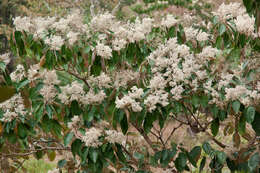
[(37, 166)]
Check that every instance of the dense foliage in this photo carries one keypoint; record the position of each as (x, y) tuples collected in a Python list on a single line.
[(106, 90)]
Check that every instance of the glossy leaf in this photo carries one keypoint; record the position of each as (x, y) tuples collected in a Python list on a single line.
[(254, 161), (194, 155), (215, 127), (236, 106), (202, 163), (68, 138), (250, 114)]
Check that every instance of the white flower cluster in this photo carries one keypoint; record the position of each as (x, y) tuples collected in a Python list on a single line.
[(91, 137), (192, 33), (49, 91), (104, 51), (12, 108), (74, 121), (208, 53), (123, 77), (93, 98), (41, 25), (102, 81), (23, 24), (228, 11), (173, 67), (169, 21), (244, 23), (123, 33), (237, 93), (156, 97), (55, 42), (114, 136), (76, 92), (69, 26), (5, 58), (72, 37), (71, 92), (118, 44), (102, 22), (18, 74), (130, 100), (139, 29), (33, 72)]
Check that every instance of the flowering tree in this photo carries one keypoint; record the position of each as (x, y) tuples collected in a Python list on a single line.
[(106, 91)]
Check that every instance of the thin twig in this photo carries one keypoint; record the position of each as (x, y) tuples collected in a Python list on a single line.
[(34, 151), (75, 75), (216, 141), (173, 130)]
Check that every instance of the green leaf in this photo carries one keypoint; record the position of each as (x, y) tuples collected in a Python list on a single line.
[(219, 42), (117, 117), (254, 161), (255, 124), (242, 125), (68, 138), (148, 122), (19, 42), (194, 155), (215, 111), (49, 111), (180, 162), (75, 108), (2, 66), (93, 154), (22, 84), (87, 49), (22, 131), (250, 114), (138, 156), (207, 148), (84, 154), (62, 163), (231, 164), (38, 155), (51, 155), (222, 115), (124, 124), (236, 106), (76, 147), (166, 157), (202, 163), (195, 100), (215, 127), (221, 29), (221, 156)]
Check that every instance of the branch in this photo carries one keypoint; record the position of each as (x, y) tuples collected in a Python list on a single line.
[(75, 75), (159, 137), (216, 141), (130, 155), (32, 151), (141, 131), (173, 130)]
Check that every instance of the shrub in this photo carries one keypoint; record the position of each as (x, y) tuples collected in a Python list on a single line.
[(83, 88)]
